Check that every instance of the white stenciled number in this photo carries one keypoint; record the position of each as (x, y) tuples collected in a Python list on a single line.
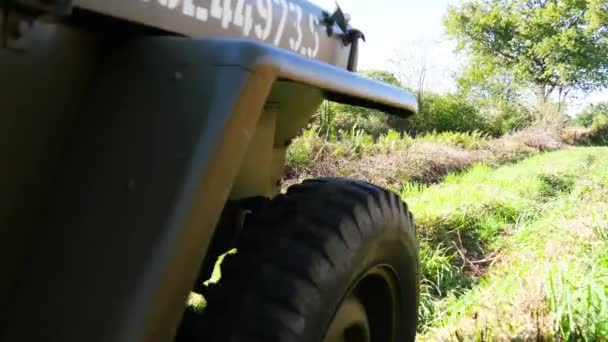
[(240, 14), (191, 10), (227, 15), (264, 8), (284, 14), (216, 9), (222, 12), (239, 20), (313, 23), (242, 17), (295, 44), (202, 13), (172, 4)]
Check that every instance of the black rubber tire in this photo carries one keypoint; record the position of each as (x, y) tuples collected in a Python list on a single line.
[(301, 255)]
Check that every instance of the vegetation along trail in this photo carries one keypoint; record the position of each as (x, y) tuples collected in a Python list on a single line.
[(516, 252)]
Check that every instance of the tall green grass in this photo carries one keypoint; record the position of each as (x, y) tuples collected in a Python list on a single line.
[(539, 228)]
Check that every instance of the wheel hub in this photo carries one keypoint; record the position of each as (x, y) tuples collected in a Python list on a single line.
[(350, 323), (369, 312)]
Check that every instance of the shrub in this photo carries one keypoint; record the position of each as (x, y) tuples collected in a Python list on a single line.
[(324, 120), (468, 141), (595, 133), (439, 113), (353, 144), (508, 118), (395, 158), (587, 115), (374, 123), (577, 135), (448, 112), (303, 149), (394, 141), (599, 127)]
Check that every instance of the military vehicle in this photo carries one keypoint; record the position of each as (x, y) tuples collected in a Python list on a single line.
[(142, 139)]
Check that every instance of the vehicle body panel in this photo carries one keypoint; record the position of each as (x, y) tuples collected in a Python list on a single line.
[(121, 154), (43, 82), (291, 25)]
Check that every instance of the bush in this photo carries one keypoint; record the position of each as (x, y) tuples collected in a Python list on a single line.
[(599, 127), (353, 144), (600, 122), (303, 149), (394, 142), (372, 122), (395, 158), (577, 136), (592, 129), (468, 141), (508, 118), (442, 113), (439, 113), (586, 117)]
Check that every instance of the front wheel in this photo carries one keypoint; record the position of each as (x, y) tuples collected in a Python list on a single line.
[(331, 260)]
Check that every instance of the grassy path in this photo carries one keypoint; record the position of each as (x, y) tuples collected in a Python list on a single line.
[(518, 252)]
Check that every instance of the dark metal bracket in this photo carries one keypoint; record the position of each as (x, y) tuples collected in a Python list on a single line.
[(349, 36)]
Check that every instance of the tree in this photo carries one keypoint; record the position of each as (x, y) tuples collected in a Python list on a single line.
[(481, 84), (382, 76), (498, 96), (412, 68), (555, 45)]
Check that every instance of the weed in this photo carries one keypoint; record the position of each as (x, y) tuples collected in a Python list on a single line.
[(304, 149), (549, 278), (196, 301), (513, 252), (394, 158), (468, 141), (555, 185)]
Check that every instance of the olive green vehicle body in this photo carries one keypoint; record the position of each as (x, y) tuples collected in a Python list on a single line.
[(125, 131)]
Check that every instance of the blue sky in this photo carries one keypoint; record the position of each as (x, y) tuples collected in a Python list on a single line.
[(413, 29)]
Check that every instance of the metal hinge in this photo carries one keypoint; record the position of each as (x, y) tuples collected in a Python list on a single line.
[(349, 36)]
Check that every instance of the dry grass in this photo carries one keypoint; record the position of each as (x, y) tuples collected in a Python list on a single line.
[(422, 162), (578, 135), (521, 144), (425, 162)]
